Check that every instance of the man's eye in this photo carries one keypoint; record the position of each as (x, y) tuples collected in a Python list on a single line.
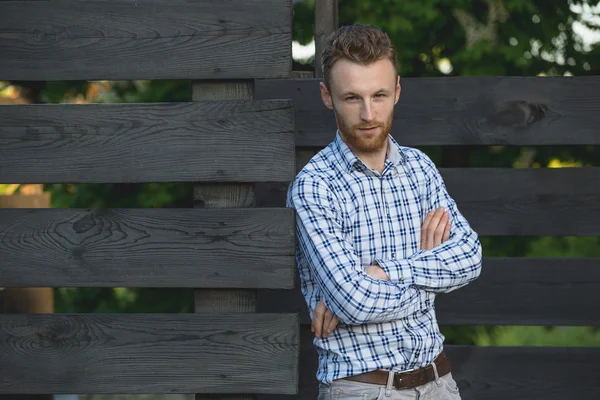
[(380, 95), (351, 98)]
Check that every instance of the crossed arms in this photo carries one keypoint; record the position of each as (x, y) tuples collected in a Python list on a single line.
[(357, 295)]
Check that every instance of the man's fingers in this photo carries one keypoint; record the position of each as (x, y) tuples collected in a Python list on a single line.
[(317, 320), (333, 324), (447, 230), (438, 233), (424, 230), (326, 322), (435, 221)]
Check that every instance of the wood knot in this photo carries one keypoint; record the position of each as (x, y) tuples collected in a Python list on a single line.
[(84, 224), (519, 114)]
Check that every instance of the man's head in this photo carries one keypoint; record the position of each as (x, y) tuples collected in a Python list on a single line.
[(361, 85)]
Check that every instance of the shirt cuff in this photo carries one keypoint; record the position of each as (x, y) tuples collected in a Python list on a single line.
[(399, 271)]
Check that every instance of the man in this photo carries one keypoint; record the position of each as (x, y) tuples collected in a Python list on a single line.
[(378, 237)]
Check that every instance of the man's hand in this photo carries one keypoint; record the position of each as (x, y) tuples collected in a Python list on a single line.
[(323, 322), (436, 229), (375, 271)]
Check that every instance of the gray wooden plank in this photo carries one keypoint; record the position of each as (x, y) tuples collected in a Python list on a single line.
[(498, 373), (525, 373), (148, 353), (160, 39), (509, 291), (463, 110), (510, 201), (242, 248), (527, 291), (528, 201), (228, 141)]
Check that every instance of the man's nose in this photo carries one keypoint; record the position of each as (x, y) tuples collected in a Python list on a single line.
[(366, 112)]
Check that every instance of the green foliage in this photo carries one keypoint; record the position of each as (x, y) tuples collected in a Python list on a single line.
[(538, 336), (135, 300), (483, 37), (146, 195)]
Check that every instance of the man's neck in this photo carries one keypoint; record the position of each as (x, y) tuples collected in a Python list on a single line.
[(374, 160)]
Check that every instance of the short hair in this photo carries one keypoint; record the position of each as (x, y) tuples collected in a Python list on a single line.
[(361, 43)]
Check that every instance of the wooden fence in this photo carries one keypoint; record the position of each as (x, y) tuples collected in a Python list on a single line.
[(225, 141), (239, 52)]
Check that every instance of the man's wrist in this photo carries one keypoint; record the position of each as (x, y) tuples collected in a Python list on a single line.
[(398, 271), (375, 271)]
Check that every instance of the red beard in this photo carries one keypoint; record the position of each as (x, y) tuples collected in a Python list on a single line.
[(362, 142)]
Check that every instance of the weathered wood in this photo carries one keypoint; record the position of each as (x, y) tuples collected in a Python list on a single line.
[(228, 196), (243, 248), (463, 110), (509, 291), (228, 141), (528, 201), (498, 373), (525, 373), (224, 196), (151, 353), (512, 201), (326, 21), (26, 300), (160, 39)]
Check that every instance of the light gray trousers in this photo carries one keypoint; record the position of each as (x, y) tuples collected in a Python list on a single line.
[(444, 388)]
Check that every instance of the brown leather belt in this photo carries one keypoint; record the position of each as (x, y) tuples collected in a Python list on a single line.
[(406, 380)]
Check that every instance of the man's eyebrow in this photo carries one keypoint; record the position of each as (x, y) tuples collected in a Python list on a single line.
[(350, 93)]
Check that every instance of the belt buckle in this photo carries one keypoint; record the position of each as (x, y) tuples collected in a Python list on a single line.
[(398, 380)]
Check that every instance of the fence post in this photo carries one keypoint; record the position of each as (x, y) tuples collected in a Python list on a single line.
[(224, 195), (326, 21)]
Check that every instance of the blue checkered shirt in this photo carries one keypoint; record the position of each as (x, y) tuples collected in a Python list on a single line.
[(349, 217)]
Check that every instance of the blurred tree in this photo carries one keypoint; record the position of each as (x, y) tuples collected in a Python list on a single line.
[(474, 37)]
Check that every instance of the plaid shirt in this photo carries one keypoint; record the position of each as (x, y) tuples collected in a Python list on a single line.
[(349, 217)]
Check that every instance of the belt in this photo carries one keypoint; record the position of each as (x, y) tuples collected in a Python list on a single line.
[(406, 380)]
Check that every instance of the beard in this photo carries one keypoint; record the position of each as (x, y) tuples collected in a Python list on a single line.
[(361, 142)]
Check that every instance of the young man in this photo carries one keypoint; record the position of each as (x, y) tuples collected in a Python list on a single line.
[(378, 237)]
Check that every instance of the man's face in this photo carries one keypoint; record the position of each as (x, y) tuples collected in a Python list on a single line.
[(363, 99)]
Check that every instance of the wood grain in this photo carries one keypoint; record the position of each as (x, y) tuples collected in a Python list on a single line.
[(243, 248), (497, 373), (221, 196), (509, 291), (326, 21), (511, 201), (148, 353), (528, 201), (227, 141), (463, 110), (160, 39)]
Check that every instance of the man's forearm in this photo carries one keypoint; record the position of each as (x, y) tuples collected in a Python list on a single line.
[(443, 269)]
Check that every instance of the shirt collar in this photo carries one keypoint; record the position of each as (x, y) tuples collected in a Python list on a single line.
[(349, 159)]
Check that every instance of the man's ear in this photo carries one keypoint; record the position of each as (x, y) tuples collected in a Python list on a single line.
[(398, 90), (326, 96)]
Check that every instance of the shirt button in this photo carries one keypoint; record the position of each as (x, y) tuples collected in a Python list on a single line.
[(393, 255)]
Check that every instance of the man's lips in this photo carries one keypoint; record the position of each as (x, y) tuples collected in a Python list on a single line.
[(371, 128)]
